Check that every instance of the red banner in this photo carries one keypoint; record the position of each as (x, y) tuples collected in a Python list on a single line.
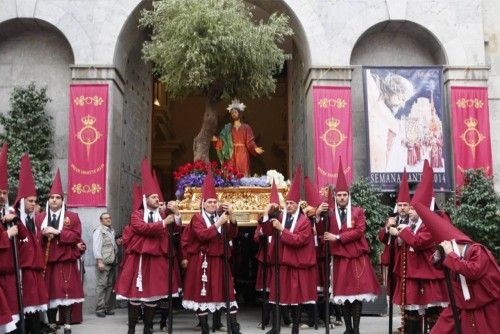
[(88, 133), (471, 130), (332, 133)]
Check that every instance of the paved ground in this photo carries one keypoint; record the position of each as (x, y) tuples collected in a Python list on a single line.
[(184, 322)]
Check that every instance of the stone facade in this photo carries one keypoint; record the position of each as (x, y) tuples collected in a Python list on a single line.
[(55, 43)]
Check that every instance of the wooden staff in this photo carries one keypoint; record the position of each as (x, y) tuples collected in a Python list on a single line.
[(19, 279), (326, 287), (170, 275), (403, 287), (437, 260), (390, 278), (264, 282), (226, 275), (277, 318)]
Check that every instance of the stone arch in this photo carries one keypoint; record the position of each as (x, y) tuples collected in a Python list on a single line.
[(388, 43), (403, 36), (64, 21), (303, 29), (34, 50), (130, 37)]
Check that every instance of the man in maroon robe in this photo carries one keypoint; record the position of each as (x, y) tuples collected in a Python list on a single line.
[(236, 141), (145, 271), (296, 255), (204, 280), (61, 231), (354, 279), (8, 298), (35, 297), (402, 208), (420, 287), (475, 278)]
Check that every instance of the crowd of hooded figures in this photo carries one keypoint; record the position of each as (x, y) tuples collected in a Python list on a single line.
[(313, 258)]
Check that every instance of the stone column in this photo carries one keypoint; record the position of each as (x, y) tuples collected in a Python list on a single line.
[(94, 74), (475, 76), (320, 76)]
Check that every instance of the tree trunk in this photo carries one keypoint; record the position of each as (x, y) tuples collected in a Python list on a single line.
[(202, 141)]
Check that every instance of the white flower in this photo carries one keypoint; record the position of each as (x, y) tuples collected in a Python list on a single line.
[(279, 179)]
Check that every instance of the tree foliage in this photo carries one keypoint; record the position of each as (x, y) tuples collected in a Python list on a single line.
[(475, 209), (214, 47), (365, 196), (27, 128)]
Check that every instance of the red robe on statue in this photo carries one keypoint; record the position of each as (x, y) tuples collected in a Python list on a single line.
[(353, 274), (145, 271), (61, 275), (206, 243), (243, 144), (481, 312), (297, 258)]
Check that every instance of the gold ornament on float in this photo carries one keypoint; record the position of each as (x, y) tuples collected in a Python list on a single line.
[(471, 136), (88, 135)]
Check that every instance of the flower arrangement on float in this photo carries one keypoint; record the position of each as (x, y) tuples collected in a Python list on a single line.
[(192, 174)]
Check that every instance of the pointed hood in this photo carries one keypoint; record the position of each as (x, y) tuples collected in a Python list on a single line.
[(148, 183), (26, 187), (56, 188), (424, 194), (4, 171), (294, 191), (136, 197), (160, 193), (208, 187), (341, 181), (274, 198), (441, 229), (404, 190), (313, 197)]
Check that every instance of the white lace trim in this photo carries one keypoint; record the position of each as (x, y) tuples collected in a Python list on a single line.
[(35, 308), (8, 327), (414, 307), (149, 299), (307, 302), (366, 297), (53, 303), (212, 307)]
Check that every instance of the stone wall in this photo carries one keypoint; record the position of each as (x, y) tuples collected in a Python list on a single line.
[(39, 40), (33, 51), (492, 50)]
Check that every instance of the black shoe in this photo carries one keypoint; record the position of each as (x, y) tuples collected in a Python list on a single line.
[(49, 328), (110, 312), (67, 331), (101, 314)]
